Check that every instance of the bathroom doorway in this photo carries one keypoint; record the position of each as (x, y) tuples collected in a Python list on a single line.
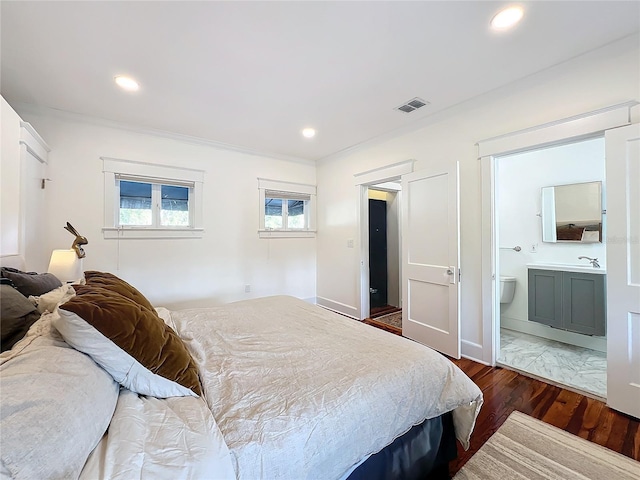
[(553, 352)]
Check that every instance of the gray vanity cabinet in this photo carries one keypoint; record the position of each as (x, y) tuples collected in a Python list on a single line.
[(545, 297), (573, 301)]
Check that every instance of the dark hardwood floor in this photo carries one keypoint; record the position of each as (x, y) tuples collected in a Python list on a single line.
[(505, 391)]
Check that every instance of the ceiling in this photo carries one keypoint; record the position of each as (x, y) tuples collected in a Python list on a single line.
[(253, 74)]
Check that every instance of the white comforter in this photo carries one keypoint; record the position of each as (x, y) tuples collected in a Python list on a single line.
[(299, 392), (151, 438)]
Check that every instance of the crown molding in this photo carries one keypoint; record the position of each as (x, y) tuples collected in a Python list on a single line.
[(29, 108)]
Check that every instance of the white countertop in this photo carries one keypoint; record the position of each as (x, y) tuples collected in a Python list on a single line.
[(568, 268)]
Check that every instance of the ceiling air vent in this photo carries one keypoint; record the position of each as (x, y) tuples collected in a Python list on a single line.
[(412, 105)]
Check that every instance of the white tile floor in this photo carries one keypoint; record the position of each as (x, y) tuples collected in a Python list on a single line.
[(576, 367)]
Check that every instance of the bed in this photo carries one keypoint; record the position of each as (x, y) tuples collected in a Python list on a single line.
[(286, 390)]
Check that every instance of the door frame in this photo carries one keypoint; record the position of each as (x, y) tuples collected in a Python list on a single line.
[(381, 211), (363, 181), (568, 130)]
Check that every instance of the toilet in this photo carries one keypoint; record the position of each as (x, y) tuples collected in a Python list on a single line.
[(507, 289)]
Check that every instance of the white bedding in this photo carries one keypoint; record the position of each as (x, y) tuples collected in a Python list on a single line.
[(151, 438), (160, 439), (299, 392), (292, 391)]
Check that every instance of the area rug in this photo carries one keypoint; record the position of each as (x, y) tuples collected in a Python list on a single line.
[(394, 319), (526, 448)]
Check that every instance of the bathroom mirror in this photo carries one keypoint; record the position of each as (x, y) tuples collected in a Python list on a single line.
[(572, 213)]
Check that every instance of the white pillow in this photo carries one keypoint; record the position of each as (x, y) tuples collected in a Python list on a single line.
[(124, 368)]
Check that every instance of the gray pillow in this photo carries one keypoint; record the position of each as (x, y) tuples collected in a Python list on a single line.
[(17, 314), (30, 283)]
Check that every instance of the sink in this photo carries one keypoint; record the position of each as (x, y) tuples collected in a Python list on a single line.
[(563, 267)]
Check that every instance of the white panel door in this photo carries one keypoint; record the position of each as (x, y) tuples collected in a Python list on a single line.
[(623, 268), (430, 253), (33, 210)]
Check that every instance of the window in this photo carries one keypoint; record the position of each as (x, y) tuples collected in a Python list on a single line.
[(149, 204), (146, 200), (286, 209), (281, 213)]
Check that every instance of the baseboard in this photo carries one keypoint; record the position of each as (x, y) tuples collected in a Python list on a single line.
[(534, 328), (338, 307), (472, 351)]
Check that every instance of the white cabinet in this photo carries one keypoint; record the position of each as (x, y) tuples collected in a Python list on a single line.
[(23, 168), (9, 181)]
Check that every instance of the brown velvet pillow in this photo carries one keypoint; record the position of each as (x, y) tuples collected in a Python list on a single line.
[(134, 345), (116, 284)]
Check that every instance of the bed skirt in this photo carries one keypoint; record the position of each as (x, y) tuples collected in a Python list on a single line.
[(423, 452)]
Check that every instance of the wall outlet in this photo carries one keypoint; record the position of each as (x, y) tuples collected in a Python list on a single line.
[(247, 288), (533, 248)]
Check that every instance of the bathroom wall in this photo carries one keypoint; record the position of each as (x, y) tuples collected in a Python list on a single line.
[(519, 179)]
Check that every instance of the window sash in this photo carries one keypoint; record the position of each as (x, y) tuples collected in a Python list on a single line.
[(156, 201), (283, 211)]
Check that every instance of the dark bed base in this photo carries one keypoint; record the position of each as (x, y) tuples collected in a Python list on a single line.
[(424, 452)]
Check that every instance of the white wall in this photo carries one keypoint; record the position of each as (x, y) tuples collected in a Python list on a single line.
[(177, 273), (519, 179), (601, 78)]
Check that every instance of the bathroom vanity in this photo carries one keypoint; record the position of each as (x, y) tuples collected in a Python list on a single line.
[(569, 297)]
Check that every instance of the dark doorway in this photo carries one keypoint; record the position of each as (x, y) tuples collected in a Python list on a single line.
[(377, 253)]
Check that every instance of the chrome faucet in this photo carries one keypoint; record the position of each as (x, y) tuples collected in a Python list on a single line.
[(594, 261)]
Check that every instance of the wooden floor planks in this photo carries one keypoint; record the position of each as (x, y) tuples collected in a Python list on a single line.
[(505, 391)]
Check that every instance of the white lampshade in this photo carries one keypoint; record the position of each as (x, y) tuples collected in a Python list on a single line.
[(65, 265)]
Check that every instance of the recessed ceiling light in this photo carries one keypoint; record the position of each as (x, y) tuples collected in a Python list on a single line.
[(507, 18), (309, 132), (127, 83)]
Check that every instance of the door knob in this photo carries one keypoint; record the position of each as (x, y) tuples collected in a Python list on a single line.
[(449, 271)]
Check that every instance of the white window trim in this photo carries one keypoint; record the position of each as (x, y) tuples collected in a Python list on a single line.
[(265, 184), (155, 174)]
